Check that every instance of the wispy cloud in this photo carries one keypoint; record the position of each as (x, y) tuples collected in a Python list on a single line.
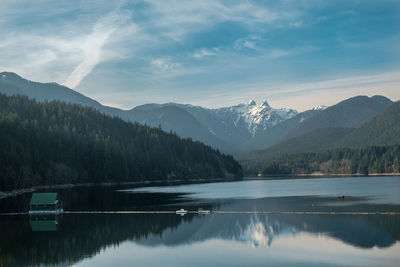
[(297, 24), (249, 44), (93, 45), (65, 53), (164, 65), (205, 53), (362, 81), (277, 53), (191, 16)]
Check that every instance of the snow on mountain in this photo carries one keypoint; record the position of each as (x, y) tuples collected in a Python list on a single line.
[(234, 124), (254, 116), (322, 107)]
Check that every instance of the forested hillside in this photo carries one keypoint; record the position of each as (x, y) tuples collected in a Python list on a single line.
[(373, 159), (350, 113), (276, 134), (316, 141), (58, 143), (383, 129)]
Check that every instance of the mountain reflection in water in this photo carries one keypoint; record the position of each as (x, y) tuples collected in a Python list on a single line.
[(85, 235)]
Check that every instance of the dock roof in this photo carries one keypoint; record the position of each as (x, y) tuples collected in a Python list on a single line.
[(43, 198)]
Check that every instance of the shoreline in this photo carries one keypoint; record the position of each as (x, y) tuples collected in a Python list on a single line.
[(6, 194), (318, 175)]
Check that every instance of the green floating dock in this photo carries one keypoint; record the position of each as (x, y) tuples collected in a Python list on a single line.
[(44, 203)]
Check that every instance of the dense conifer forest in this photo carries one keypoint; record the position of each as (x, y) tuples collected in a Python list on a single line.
[(57, 143), (365, 160)]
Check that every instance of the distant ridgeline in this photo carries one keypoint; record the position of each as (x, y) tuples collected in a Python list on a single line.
[(58, 143)]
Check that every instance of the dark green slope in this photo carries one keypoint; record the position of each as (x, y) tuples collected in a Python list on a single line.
[(12, 84), (316, 141), (178, 120), (58, 143), (350, 113), (383, 129)]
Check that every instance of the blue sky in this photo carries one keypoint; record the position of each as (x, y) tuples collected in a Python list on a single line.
[(295, 54)]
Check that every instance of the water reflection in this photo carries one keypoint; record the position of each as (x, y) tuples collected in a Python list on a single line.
[(44, 222), (363, 232), (82, 236)]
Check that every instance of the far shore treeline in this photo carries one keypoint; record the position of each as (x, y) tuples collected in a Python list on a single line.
[(340, 161), (58, 143)]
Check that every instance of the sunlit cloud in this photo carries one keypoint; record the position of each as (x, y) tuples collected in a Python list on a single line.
[(92, 46)]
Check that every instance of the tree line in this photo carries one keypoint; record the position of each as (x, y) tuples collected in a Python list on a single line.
[(57, 143), (364, 160)]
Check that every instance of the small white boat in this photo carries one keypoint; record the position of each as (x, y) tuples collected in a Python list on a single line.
[(201, 211), (181, 212)]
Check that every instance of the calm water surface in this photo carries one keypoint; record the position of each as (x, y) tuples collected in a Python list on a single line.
[(216, 239)]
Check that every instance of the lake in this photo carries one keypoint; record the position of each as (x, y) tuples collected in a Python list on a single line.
[(228, 239)]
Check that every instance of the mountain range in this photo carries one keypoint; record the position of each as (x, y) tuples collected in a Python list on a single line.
[(223, 128), (234, 125), (250, 130)]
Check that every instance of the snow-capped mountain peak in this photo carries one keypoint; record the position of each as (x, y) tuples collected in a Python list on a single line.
[(264, 103), (254, 116), (251, 103)]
